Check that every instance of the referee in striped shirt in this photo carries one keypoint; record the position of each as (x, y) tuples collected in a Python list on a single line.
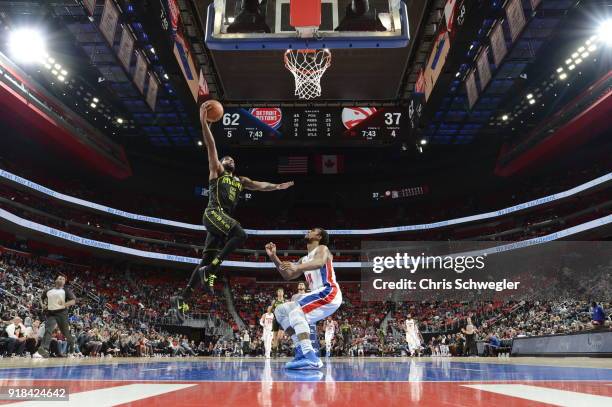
[(57, 300)]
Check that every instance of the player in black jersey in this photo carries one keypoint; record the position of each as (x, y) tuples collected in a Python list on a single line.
[(277, 332), (224, 233)]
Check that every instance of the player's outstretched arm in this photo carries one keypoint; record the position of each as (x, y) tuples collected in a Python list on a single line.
[(282, 267), (264, 186), (214, 165)]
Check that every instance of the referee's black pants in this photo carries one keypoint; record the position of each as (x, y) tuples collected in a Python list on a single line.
[(54, 320)]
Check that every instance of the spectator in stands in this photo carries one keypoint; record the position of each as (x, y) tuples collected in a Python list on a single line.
[(491, 345), (202, 349), (33, 337), (15, 331), (186, 347), (598, 316)]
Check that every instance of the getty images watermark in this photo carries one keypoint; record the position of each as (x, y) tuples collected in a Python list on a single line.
[(468, 271), (457, 264)]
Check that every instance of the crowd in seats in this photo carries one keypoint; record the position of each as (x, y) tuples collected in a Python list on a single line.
[(103, 321), (118, 306)]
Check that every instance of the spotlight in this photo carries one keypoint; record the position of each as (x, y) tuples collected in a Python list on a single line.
[(64, 72), (54, 72), (166, 76), (27, 45), (93, 105), (568, 61), (505, 117), (57, 66), (584, 54), (580, 49), (423, 141), (563, 76), (529, 96), (575, 55), (605, 31), (571, 67), (592, 48), (152, 50), (532, 101), (96, 100), (230, 19), (119, 120), (199, 142), (61, 78), (579, 60), (559, 70)]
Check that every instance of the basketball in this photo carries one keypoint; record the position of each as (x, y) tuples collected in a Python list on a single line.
[(215, 111)]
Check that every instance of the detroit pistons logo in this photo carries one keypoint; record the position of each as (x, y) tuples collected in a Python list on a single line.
[(352, 116), (271, 116)]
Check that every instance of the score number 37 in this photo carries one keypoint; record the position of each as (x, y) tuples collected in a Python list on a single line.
[(392, 119)]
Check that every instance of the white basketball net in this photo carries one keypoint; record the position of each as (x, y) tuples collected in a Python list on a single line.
[(307, 67)]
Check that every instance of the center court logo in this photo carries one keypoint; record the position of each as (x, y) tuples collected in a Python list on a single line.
[(352, 116), (270, 116)]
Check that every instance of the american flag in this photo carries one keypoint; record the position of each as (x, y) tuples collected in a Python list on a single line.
[(293, 165)]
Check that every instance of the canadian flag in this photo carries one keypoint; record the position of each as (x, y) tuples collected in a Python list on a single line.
[(329, 164)]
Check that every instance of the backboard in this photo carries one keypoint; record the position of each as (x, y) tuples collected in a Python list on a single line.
[(369, 53)]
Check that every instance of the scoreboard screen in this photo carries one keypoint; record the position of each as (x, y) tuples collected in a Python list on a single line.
[(276, 126)]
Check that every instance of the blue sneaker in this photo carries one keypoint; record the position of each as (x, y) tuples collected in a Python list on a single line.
[(309, 361), (298, 354)]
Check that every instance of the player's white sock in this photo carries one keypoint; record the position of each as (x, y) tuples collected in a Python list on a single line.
[(299, 324), (306, 346)]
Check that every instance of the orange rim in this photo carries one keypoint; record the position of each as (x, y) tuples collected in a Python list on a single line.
[(307, 51)]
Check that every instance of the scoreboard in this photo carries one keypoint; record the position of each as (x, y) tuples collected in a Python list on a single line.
[(303, 126)]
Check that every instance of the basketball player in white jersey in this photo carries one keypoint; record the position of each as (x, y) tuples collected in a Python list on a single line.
[(266, 322), (330, 331), (413, 336), (323, 299)]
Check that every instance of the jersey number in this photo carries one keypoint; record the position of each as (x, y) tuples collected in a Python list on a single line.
[(309, 280)]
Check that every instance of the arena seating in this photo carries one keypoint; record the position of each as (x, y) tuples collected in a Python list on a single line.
[(120, 309)]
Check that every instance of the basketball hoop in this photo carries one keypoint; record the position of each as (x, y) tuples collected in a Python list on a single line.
[(307, 67)]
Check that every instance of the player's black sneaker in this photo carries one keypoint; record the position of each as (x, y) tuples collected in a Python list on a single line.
[(177, 302), (211, 282), (209, 275)]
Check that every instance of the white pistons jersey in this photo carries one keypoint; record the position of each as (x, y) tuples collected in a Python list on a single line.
[(411, 327), (325, 296), (330, 327), (323, 277), (267, 320)]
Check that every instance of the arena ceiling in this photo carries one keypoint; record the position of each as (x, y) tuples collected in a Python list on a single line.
[(96, 71)]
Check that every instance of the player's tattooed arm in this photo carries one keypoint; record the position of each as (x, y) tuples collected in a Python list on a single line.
[(214, 165), (264, 186)]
